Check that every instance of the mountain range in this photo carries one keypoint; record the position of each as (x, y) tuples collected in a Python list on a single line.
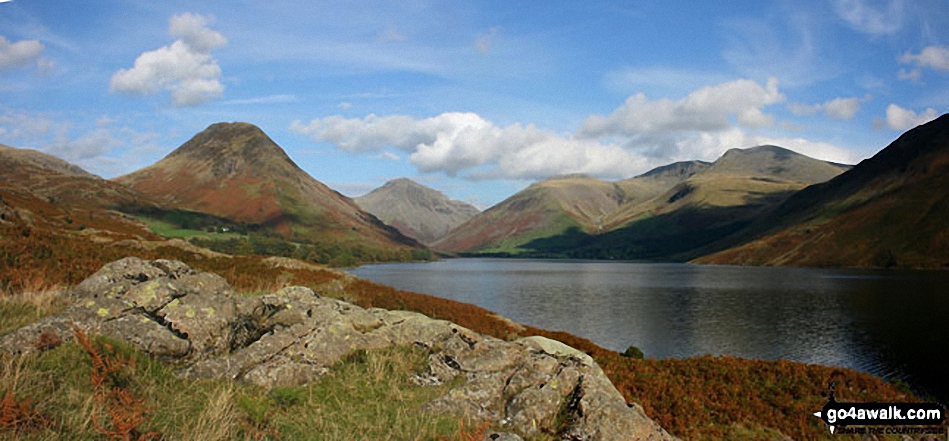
[(665, 214), (764, 205)]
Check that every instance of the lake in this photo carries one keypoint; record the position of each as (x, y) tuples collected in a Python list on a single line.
[(894, 324)]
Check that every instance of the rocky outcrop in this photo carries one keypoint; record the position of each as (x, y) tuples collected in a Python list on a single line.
[(193, 319)]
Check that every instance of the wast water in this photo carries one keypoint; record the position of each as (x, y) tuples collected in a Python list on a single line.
[(894, 324)]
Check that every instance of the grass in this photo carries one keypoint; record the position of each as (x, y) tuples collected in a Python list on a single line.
[(366, 397), (170, 230), (23, 308)]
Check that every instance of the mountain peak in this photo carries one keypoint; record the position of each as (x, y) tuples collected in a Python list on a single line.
[(773, 162), (780, 153), (235, 147), (402, 182), (681, 170), (417, 211)]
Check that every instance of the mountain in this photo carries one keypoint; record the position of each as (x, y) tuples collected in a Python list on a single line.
[(889, 210), (669, 213), (41, 191), (555, 206), (11, 157), (417, 211), (544, 209), (236, 172), (701, 213)]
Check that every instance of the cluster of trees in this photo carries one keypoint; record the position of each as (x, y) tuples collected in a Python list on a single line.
[(326, 252)]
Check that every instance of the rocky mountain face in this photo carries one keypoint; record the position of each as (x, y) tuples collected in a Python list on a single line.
[(889, 210), (235, 171), (669, 213), (415, 210), (193, 319)]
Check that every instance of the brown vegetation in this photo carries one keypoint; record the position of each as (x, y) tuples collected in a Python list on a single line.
[(126, 411), (19, 415)]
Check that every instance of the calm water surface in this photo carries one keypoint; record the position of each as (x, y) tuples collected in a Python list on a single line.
[(892, 324)]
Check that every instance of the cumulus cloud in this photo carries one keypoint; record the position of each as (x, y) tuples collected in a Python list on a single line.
[(193, 30), (933, 57), (185, 68), (456, 143), (19, 54), (837, 108), (706, 109), (899, 118), (870, 18)]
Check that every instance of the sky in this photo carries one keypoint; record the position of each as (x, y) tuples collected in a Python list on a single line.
[(476, 99)]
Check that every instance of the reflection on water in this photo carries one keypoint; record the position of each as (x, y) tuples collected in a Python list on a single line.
[(892, 324)]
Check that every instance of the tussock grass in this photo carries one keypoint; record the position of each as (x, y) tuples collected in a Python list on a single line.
[(30, 305), (368, 396)]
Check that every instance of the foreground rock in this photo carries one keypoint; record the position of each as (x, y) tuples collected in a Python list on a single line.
[(193, 319)]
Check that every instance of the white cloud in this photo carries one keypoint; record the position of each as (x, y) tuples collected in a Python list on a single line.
[(389, 156), (456, 143), (934, 57), (837, 108), (19, 54), (873, 19), (486, 40), (193, 30), (345, 105), (707, 109), (185, 68), (899, 118), (912, 75)]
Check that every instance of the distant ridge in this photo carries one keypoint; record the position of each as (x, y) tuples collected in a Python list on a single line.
[(12, 157), (41, 190), (415, 210)]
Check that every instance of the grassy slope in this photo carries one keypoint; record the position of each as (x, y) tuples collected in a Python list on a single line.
[(545, 209), (699, 398)]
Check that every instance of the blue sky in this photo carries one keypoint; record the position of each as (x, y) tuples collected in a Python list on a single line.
[(477, 99)]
